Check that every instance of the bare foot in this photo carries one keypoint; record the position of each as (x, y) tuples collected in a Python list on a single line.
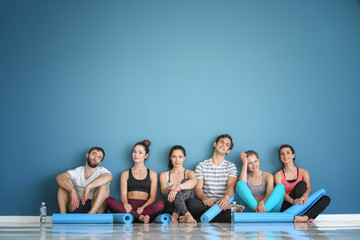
[(311, 220), (302, 218), (182, 219), (189, 218), (240, 208), (175, 218), (144, 219)]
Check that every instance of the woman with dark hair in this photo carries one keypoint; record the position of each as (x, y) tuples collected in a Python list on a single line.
[(297, 186), (177, 185), (138, 187)]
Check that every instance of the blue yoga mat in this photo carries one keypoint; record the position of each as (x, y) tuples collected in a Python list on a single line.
[(163, 218), (126, 218), (298, 210), (212, 212), (262, 217), (82, 218)]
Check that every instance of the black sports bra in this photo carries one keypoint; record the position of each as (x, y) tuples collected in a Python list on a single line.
[(139, 185)]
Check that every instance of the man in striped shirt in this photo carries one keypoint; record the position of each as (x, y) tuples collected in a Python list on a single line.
[(216, 180)]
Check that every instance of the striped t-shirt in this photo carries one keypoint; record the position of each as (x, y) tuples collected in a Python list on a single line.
[(215, 177)]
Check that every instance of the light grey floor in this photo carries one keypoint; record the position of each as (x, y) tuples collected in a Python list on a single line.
[(345, 228)]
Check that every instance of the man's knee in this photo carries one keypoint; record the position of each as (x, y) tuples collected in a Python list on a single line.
[(60, 190), (189, 202), (193, 203), (62, 195), (105, 187), (104, 190)]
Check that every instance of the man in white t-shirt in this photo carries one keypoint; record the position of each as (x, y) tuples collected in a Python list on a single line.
[(84, 189), (216, 181)]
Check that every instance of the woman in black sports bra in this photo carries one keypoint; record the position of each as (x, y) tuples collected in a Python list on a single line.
[(177, 185), (138, 188)]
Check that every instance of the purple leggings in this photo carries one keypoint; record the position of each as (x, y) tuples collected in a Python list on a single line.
[(152, 210)]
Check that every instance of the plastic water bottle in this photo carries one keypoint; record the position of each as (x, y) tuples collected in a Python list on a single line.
[(233, 210), (43, 211)]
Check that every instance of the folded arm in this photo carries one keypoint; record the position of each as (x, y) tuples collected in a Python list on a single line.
[(64, 181), (99, 181)]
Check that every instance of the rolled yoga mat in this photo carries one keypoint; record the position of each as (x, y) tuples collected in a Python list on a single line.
[(163, 218), (212, 212), (126, 218), (298, 210), (262, 217), (82, 218)]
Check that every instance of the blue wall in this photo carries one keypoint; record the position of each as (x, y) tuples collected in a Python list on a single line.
[(75, 74)]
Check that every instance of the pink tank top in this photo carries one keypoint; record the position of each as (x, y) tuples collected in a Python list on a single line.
[(288, 185)]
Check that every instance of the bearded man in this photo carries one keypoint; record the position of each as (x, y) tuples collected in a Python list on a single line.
[(84, 189)]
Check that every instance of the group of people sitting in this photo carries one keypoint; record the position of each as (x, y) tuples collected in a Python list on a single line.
[(188, 194)]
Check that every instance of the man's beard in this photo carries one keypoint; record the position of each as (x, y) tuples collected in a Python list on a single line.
[(90, 164)]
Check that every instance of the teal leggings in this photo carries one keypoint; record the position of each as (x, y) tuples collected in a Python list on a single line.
[(272, 204)]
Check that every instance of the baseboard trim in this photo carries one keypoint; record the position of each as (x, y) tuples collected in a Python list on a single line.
[(23, 219), (337, 217)]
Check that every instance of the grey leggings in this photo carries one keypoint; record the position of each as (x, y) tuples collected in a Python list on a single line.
[(179, 206)]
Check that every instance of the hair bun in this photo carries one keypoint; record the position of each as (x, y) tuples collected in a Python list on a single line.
[(147, 142)]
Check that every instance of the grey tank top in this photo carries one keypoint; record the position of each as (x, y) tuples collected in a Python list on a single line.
[(257, 191), (172, 183)]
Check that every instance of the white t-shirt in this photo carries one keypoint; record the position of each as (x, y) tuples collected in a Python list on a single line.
[(79, 181)]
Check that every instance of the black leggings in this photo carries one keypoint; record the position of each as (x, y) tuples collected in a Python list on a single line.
[(197, 208), (315, 210)]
